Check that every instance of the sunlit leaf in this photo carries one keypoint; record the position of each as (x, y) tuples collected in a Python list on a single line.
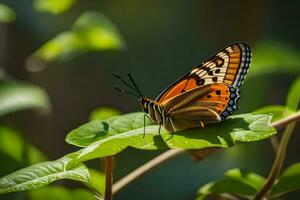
[(272, 55), (97, 182), (104, 113), (21, 151), (293, 97), (41, 174), (16, 96), (92, 31), (243, 128), (288, 181), (60, 193), (278, 111), (128, 130), (53, 6), (7, 15), (236, 182)]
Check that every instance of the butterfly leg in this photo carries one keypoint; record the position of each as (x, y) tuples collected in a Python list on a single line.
[(172, 134), (202, 124), (144, 126), (159, 128)]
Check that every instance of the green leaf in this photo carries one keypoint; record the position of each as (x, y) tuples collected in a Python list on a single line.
[(103, 113), (128, 131), (236, 182), (16, 96), (92, 31), (293, 97), (53, 6), (278, 111), (21, 151), (60, 193), (97, 181), (7, 15), (97, 129), (243, 128), (274, 56), (41, 174), (288, 181)]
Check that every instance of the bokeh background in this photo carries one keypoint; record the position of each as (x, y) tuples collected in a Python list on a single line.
[(157, 41)]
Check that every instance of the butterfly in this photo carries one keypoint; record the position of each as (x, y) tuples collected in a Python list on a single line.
[(207, 94)]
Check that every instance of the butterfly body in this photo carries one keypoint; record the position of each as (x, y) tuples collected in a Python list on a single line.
[(207, 104)]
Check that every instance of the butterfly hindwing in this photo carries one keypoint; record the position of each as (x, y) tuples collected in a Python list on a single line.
[(208, 103), (230, 66)]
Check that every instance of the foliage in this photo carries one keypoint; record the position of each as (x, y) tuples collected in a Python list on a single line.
[(60, 193), (21, 151), (53, 6), (109, 137), (16, 96), (236, 181), (92, 31), (7, 15), (41, 174), (119, 132), (246, 184)]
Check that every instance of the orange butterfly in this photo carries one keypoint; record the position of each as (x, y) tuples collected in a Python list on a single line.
[(207, 94)]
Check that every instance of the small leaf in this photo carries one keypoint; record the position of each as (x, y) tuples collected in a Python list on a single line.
[(41, 174), (7, 15), (53, 6), (128, 131), (236, 182), (103, 113), (288, 181), (16, 96), (293, 97), (60, 193), (21, 151), (92, 31), (278, 111)]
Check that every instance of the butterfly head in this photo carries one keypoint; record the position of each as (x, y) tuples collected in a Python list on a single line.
[(143, 102)]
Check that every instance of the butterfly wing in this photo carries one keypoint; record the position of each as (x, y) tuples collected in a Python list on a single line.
[(230, 66), (207, 104)]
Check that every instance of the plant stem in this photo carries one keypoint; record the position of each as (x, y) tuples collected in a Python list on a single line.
[(172, 153), (277, 165), (109, 166), (145, 168)]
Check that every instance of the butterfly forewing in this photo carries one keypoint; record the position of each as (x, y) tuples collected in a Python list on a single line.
[(230, 66)]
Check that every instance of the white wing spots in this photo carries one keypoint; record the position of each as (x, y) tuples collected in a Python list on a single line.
[(229, 49), (244, 65), (194, 70)]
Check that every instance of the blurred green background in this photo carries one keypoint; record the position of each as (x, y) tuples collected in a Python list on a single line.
[(157, 41)]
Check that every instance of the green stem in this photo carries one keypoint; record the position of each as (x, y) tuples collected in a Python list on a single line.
[(109, 165), (277, 165)]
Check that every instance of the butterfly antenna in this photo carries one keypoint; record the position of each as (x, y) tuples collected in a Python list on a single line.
[(131, 79), (127, 84), (125, 91)]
